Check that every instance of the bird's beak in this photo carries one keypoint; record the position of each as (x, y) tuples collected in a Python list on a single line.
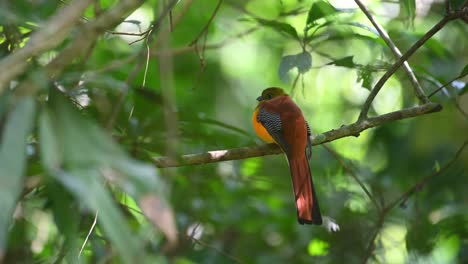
[(260, 98)]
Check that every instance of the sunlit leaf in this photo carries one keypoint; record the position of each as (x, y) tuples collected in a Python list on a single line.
[(318, 247), (86, 185), (437, 166), (318, 10), (366, 76), (12, 161)]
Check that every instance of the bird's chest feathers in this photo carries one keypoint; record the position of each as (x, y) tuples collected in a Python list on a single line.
[(260, 129)]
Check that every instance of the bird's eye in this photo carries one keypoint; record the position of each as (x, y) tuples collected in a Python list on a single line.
[(269, 96)]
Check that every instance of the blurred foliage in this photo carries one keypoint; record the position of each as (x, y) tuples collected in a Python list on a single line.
[(80, 150)]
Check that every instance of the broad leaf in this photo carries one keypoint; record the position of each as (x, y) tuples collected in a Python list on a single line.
[(74, 148), (318, 10), (280, 27), (13, 160), (302, 61), (344, 62), (366, 76)]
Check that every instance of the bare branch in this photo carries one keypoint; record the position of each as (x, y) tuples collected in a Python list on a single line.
[(54, 31), (205, 28), (447, 83), (270, 149), (409, 53), (414, 81)]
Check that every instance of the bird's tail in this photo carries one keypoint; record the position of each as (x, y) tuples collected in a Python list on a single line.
[(308, 210)]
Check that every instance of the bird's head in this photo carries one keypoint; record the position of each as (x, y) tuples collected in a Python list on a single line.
[(270, 93)]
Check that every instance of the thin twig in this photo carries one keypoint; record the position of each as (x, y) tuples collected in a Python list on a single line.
[(409, 53), (414, 81), (207, 25), (89, 233), (352, 174), (186, 49), (293, 88), (270, 149), (447, 83)]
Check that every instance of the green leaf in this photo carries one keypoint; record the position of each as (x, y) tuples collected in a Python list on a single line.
[(318, 247), (409, 10), (52, 156), (344, 62), (318, 10), (437, 166), (87, 185), (13, 160), (281, 27), (464, 71), (73, 147), (302, 61), (366, 76), (64, 210)]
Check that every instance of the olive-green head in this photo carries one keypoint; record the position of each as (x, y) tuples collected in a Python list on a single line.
[(270, 93)]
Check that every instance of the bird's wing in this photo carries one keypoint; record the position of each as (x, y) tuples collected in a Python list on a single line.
[(309, 143), (272, 123)]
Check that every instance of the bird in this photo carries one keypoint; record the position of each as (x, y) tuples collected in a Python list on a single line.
[(277, 119)]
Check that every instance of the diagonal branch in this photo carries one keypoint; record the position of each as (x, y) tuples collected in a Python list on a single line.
[(82, 43), (414, 81), (207, 25), (54, 31), (409, 53), (270, 149)]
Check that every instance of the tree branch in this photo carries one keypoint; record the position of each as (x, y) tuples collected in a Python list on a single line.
[(81, 43), (54, 31), (270, 149), (414, 81), (409, 53)]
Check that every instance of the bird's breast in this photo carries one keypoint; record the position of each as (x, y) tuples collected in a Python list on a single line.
[(260, 129)]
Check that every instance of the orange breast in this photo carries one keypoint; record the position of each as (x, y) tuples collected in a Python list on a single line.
[(260, 130)]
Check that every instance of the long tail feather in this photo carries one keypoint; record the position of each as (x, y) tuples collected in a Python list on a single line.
[(308, 210)]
